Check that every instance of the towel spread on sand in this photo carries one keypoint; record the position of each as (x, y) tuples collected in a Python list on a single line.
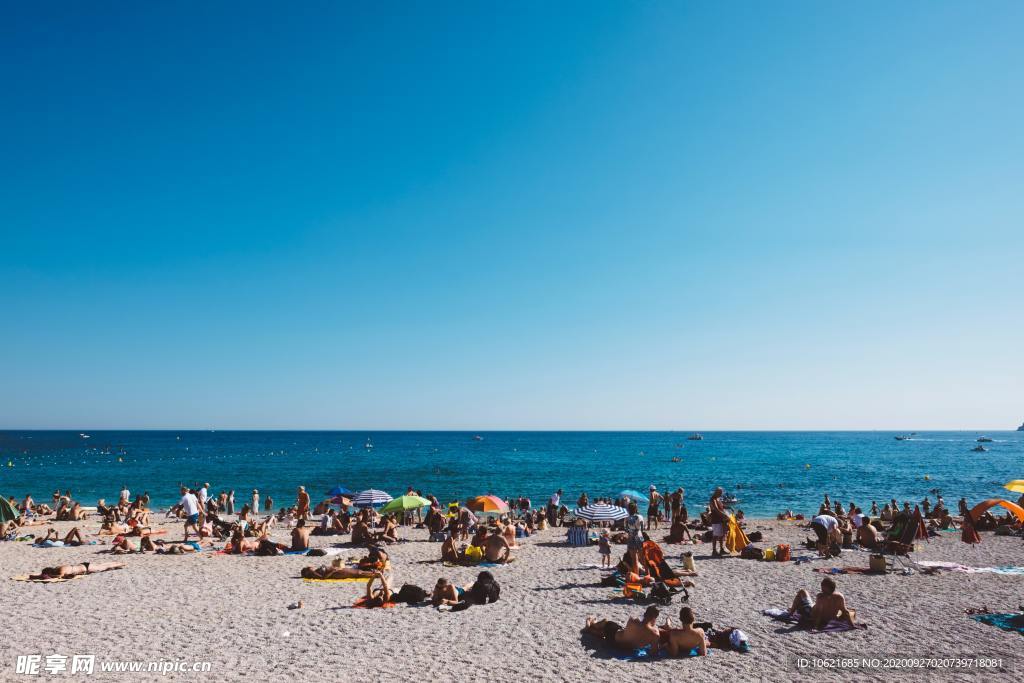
[(361, 604), (834, 626), (352, 579), (954, 567), (48, 579), (1007, 622), (847, 570)]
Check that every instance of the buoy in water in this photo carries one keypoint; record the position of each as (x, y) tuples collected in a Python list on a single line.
[(927, 477), (807, 466)]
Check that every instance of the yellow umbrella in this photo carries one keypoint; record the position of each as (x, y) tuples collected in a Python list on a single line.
[(1017, 486)]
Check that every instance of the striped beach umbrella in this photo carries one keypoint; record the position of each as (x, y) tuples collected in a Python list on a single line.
[(489, 505), (601, 512), (371, 498)]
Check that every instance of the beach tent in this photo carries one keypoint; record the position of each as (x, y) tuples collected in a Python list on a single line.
[(1017, 510), (491, 505), (403, 503), (8, 512)]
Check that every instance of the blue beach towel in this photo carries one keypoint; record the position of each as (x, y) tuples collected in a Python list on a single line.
[(1007, 622)]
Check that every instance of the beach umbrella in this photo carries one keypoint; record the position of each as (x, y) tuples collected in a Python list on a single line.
[(341, 500), (338, 490), (371, 498), (491, 505), (403, 503), (1017, 486), (632, 495), (601, 512), (8, 512)]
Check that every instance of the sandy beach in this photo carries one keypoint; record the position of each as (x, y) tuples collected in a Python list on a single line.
[(234, 613)]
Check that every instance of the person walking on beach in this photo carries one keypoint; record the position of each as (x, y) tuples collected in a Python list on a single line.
[(190, 507), (653, 507), (302, 504), (254, 505), (556, 500), (604, 547), (718, 521)]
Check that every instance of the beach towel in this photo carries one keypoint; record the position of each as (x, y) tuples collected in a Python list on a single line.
[(361, 604), (847, 570), (48, 579), (1007, 622), (954, 567), (834, 626), (352, 579)]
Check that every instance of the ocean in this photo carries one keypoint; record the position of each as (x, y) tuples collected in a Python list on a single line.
[(767, 471)]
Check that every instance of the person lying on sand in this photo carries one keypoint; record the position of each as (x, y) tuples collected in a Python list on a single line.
[(637, 633), (380, 596), (446, 593), (685, 639), (828, 605), (336, 572), (73, 537), (67, 571)]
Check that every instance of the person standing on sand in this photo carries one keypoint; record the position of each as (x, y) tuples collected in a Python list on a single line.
[(190, 506), (556, 500), (718, 521), (254, 505), (653, 507), (125, 494), (268, 504), (302, 504), (229, 506)]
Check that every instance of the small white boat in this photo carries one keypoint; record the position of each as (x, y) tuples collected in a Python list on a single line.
[(903, 437), (369, 445), (84, 436), (695, 437), (984, 439), (477, 437)]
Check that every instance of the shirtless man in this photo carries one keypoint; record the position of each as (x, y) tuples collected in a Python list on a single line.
[(300, 535), (636, 634), (496, 549), (829, 605), (687, 638), (302, 504), (867, 535), (361, 533)]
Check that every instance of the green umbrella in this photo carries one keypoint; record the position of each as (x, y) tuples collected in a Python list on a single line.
[(7, 511), (403, 503)]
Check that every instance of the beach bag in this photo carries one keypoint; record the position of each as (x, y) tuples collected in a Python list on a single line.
[(769, 554), (755, 536), (410, 594), (475, 553), (876, 563), (782, 552), (752, 553)]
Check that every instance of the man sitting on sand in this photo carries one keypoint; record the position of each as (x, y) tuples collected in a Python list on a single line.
[(300, 535), (496, 549), (687, 639), (637, 634), (829, 605)]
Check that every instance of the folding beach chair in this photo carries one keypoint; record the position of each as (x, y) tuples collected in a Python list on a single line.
[(899, 543)]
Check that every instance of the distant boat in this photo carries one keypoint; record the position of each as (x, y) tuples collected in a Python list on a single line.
[(369, 445), (979, 449), (984, 439), (1021, 428), (903, 437), (84, 436), (677, 459), (695, 437), (477, 437)]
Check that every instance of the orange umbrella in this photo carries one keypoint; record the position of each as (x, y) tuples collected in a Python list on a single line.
[(487, 505)]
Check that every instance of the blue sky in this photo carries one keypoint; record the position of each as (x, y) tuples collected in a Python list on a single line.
[(594, 215)]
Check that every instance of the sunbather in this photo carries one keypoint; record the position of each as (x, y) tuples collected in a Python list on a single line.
[(686, 639), (828, 605), (636, 634), (67, 571)]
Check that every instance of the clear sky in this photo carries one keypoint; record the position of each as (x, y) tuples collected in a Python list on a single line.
[(593, 215)]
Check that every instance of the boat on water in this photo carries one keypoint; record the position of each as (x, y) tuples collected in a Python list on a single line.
[(1021, 428), (695, 437), (677, 459), (477, 437), (984, 439), (369, 445), (84, 436), (979, 449), (902, 437)]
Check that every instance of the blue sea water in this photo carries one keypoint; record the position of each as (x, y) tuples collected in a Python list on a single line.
[(768, 471)]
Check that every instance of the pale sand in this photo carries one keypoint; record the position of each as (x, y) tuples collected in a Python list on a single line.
[(233, 612)]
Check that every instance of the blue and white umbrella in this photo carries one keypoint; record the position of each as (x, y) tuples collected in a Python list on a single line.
[(371, 498), (601, 512)]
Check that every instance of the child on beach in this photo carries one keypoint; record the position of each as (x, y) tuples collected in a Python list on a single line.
[(604, 546)]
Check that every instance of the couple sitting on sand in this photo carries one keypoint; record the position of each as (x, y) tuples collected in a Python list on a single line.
[(485, 547), (449, 597), (828, 605), (644, 634)]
